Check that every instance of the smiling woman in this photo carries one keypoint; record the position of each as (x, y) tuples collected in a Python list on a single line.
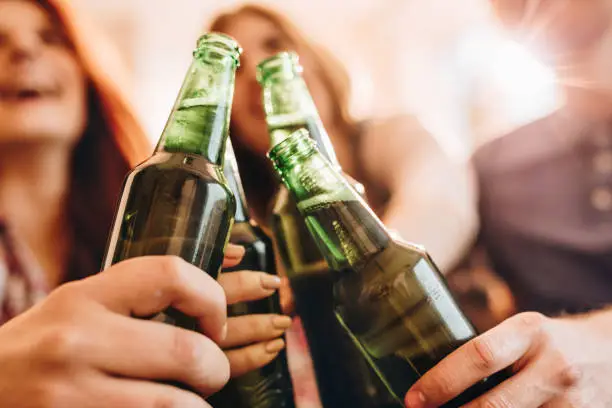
[(42, 86), (67, 138)]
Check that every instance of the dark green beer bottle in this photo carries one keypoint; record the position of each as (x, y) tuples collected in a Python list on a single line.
[(269, 386), (177, 202), (343, 377), (388, 295)]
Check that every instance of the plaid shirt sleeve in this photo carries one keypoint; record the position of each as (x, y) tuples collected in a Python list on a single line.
[(22, 282)]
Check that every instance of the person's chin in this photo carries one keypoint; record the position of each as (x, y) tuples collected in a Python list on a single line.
[(35, 133)]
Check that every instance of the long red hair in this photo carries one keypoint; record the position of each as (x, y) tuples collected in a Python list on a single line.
[(260, 183), (111, 144)]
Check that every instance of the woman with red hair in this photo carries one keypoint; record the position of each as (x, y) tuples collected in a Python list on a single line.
[(67, 139), (411, 183)]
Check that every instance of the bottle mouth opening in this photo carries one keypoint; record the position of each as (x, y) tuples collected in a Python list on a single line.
[(298, 145), (218, 44), (287, 62)]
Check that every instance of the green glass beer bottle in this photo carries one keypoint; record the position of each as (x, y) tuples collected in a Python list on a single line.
[(388, 295), (288, 107), (177, 202), (269, 386), (343, 376)]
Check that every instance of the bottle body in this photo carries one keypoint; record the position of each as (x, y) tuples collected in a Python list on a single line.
[(269, 386), (174, 204), (343, 376), (298, 251), (388, 295), (397, 307), (178, 202), (399, 310)]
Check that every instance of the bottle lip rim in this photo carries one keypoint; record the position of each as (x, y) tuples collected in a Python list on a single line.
[(293, 140), (221, 43), (278, 60)]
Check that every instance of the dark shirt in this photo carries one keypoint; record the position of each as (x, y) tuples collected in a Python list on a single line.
[(546, 212)]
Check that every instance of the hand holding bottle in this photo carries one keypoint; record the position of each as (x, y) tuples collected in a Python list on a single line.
[(83, 346), (564, 362), (253, 340)]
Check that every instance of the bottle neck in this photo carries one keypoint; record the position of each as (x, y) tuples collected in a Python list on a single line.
[(346, 230), (199, 121), (232, 175), (289, 107)]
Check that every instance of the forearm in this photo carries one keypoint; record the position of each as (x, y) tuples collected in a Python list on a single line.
[(437, 211), (432, 196)]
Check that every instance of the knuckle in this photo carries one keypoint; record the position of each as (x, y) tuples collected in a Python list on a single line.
[(60, 345), (187, 350), (249, 328), (566, 374), (244, 280), (193, 355), (171, 270), (483, 354), (439, 384), (259, 327), (497, 401), (167, 401), (530, 321), (252, 357), (64, 295), (245, 360), (237, 285)]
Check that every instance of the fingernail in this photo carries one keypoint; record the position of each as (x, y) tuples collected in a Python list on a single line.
[(270, 281), (415, 399), (281, 322), (234, 251), (275, 346)]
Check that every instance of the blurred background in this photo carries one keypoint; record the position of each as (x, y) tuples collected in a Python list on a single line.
[(515, 92), (514, 201), (439, 60)]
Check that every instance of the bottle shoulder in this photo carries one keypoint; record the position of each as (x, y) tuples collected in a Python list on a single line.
[(181, 162), (400, 253), (185, 172)]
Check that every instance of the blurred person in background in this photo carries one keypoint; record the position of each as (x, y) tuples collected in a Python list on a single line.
[(546, 188), (410, 182), (400, 164), (546, 215), (67, 139)]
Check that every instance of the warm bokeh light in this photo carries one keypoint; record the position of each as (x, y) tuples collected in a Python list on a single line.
[(529, 87), (436, 59), (511, 86)]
